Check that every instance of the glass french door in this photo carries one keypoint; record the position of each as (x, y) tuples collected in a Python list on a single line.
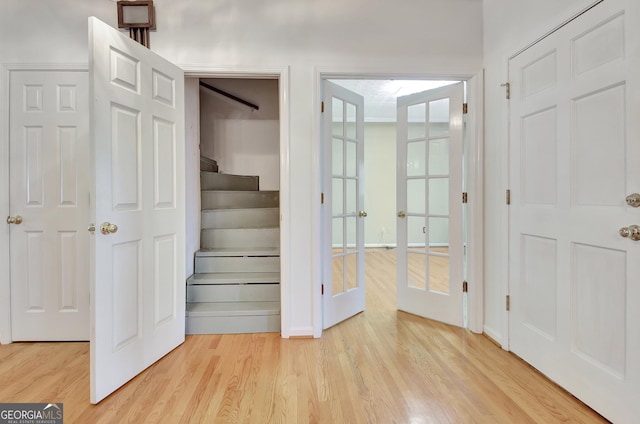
[(429, 190)]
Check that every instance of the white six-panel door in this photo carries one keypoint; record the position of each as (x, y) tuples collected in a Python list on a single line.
[(49, 203), (343, 226), (574, 150), (429, 202), (138, 185)]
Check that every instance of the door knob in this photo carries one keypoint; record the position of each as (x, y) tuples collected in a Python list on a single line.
[(362, 214), (91, 228), (14, 220), (633, 200), (632, 232), (402, 214), (108, 228)]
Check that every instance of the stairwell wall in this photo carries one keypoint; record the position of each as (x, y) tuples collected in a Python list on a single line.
[(362, 37)]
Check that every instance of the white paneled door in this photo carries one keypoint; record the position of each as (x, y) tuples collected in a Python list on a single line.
[(138, 265), (429, 202), (49, 204), (574, 263), (343, 226)]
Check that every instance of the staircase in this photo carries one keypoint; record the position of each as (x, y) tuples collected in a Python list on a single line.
[(236, 285)]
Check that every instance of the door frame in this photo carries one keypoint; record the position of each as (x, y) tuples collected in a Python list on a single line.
[(5, 80), (282, 75), (190, 71), (474, 183)]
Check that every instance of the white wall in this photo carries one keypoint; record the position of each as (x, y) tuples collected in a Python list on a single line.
[(509, 25), (412, 37)]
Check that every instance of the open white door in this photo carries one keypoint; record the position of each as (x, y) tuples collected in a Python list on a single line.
[(343, 229), (137, 268), (429, 193), (574, 147)]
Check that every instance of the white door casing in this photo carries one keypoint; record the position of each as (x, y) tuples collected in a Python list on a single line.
[(574, 144), (429, 190), (343, 213), (49, 191), (137, 133)]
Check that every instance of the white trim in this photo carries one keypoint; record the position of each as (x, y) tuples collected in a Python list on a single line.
[(282, 74), (475, 216), (5, 274), (300, 332), (503, 337)]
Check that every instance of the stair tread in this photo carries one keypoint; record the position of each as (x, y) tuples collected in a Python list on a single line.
[(230, 175), (232, 308), (234, 277), (239, 210), (247, 192), (239, 251)]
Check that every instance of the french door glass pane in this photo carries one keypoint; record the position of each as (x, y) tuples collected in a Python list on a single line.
[(337, 198), (416, 166), (351, 232), (337, 238), (417, 118), (351, 262), (337, 106), (337, 157), (439, 196), (352, 196), (338, 275), (439, 274), (416, 270), (416, 232), (351, 159), (416, 191), (438, 230), (439, 118), (439, 156), (351, 121)]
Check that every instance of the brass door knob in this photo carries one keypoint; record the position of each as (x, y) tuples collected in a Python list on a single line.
[(632, 232), (108, 228), (402, 214), (633, 200), (14, 220), (362, 214)]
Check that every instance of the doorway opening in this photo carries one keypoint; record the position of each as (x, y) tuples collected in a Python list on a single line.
[(428, 260), (234, 248)]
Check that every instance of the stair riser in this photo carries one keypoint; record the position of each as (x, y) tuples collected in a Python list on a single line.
[(233, 325), (237, 264), (239, 199), (240, 238), (234, 293), (240, 218), (215, 181)]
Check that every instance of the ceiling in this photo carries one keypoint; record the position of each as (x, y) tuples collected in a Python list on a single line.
[(380, 95)]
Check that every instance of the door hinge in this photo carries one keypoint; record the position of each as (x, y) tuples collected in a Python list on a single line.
[(322, 107), (507, 89), (465, 197), (508, 197), (508, 303), (465, 287), (322, 198), (465, 108), (322, 291)]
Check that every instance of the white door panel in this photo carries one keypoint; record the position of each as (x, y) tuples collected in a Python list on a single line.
[(429, 193), (49, 190), (343, 229), (573, 147), (137, 129)]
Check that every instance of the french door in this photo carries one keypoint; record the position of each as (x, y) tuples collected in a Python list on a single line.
[(429, 202), (343, 215)]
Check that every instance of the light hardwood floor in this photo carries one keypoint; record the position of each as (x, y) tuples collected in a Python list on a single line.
[(381, 366)]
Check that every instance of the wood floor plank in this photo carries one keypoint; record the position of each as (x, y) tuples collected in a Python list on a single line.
[(381, 366)]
